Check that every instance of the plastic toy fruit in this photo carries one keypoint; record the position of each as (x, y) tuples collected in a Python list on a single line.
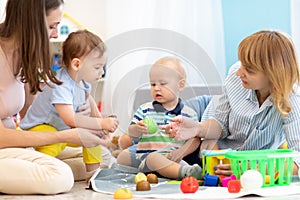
[(251, 179), (122, 193), (151, 125), (152, 178), (140, 177), (189, 184), (234, 186), (143, 186)]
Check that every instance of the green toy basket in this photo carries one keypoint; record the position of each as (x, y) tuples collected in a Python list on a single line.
[(275, 166)]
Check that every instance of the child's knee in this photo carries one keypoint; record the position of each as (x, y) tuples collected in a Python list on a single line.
[(125, 141)]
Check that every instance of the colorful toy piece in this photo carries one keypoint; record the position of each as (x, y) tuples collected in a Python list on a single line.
[(234, 186), (151, 125), (251, 179), (212, 158), (274, 165), (268, 178), (211, 180), (189, 184), (123, 193), (140, 177), (225, 180)]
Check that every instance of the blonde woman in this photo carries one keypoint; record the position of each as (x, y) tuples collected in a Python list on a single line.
[(260, 107)]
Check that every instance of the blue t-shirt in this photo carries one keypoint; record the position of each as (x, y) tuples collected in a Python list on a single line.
[(42, 111)]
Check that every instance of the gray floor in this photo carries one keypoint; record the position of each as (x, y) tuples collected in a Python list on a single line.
[(79, 192)]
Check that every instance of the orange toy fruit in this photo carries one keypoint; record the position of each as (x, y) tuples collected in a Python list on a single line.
[(123, 193)]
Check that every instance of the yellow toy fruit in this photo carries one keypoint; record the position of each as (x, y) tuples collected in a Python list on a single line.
[(123, 193), (140, 177)]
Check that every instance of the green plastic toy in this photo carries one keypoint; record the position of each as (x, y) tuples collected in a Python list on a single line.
[(151, 125)]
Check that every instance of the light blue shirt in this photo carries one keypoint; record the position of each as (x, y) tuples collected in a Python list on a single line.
[(248, 126), (42, 111)]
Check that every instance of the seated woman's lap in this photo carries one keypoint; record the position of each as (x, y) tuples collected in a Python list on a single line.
[(25, 171)]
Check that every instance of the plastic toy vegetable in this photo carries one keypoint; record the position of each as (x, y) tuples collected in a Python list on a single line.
[(151, 125), (189, 185)]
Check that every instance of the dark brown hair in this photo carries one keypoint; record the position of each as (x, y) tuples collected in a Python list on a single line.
[(52, 5), (25, 23), (80, 44)]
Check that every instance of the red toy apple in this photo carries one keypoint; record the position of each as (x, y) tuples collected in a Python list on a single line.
[(189, 185)]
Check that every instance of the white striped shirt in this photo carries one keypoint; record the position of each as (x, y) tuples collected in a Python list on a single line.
[(160, 140), (248, 126)]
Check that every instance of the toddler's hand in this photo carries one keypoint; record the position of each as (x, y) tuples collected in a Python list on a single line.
[(141, 127), (175, 155), (110, 124), (84, 109)]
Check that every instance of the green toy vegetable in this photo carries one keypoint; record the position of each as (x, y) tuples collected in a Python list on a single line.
[(151, 125)]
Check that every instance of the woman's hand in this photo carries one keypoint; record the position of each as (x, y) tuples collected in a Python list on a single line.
[(85, 137), (181, 128), (209, 145), (223, 169)]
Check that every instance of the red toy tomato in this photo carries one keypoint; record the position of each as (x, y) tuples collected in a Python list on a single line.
[(234, 186), (189, 185)]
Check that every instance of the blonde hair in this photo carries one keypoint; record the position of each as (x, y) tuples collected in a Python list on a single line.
[(273, 53), (173, 63)]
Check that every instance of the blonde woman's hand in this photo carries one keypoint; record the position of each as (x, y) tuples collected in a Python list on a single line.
[(209, 145), (181, 128)]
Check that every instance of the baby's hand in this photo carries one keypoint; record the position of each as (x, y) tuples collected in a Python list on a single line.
[(110, 124), (141, 127)]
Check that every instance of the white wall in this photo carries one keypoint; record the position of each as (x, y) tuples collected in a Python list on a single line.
[(138, 32), (199, 20), (2, 9)]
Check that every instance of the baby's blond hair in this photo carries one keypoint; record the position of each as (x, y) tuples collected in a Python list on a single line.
[(172, 63)]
